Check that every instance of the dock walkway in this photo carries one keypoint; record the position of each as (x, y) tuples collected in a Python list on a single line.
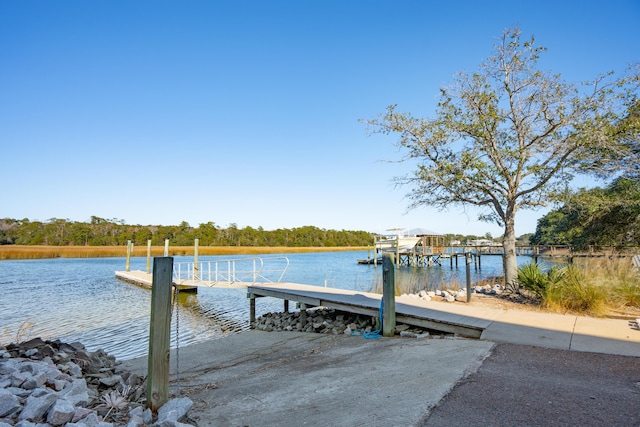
[(367, 303), (548, 330)]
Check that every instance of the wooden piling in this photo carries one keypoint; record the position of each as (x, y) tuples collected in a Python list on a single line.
[(388, 296), (375, 253), (195, 259), (397, 260), (159, 333), (166, 247), (252, 310), (128, 262), (148, 256), (468, 269)]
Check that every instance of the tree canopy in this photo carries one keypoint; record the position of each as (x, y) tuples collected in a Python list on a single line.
[(511, 136), (599, 216)]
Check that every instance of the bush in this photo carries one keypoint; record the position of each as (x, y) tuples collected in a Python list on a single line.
[(565, 289), (533, 279), (575, 293)]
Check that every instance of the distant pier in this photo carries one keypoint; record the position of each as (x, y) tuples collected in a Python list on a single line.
[(429, 250)]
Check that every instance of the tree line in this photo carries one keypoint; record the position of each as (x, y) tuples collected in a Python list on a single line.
[(110, 232), (608, 216), (115, 232)]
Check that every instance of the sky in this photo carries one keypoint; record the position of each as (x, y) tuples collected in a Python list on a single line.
[(249, 112)]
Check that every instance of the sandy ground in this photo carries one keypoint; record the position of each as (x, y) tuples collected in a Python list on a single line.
[(506, 302)]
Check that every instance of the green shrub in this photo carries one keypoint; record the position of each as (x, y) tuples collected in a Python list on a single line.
[(565, 289), (533, 279)]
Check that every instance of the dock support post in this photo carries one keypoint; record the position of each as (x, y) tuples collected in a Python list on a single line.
[(397, 252), (375, 253), (195, 259), (166, 247), (468, 259), (159, 333), (148, 256), (286, 306), (303, 313), (388, 296), (128, 263), (252, 310)]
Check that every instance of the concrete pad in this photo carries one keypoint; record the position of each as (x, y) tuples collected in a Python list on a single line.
[(288, 378), (531, 328), (612, 336)]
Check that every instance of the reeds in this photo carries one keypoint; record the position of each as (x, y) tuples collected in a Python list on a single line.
[(591, 286), (8, 252)]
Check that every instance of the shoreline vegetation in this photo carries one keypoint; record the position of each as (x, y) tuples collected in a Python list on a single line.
[(26, 252)]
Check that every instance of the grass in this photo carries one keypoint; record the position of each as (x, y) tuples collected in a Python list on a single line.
[(9, 252), (593, 287)]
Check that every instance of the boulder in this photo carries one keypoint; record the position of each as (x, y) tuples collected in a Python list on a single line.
[(61, 412)]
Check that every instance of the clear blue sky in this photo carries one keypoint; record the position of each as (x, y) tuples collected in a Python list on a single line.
[(246, 112)]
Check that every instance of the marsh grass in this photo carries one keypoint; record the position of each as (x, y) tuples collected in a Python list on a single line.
[(618, 277), (8, 252), (577, 293), (590, 286)]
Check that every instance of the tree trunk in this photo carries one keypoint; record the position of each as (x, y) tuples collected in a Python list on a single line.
[(509, 245)]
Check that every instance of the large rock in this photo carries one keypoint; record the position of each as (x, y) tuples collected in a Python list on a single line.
[(9, 403), (76, 392), (61, 412), (36, 406), (174, 409)]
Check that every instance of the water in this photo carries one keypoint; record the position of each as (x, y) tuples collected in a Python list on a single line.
[(81, 300)]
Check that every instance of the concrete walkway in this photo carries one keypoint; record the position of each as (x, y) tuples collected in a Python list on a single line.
[(546, 330)]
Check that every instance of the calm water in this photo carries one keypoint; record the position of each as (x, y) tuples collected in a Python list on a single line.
[(80, 299)]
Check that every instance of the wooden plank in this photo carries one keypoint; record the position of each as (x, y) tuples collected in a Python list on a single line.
[(465, 331), (261, 292)]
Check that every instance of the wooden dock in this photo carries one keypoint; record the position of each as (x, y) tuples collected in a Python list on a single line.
[(439, 317), (145, 280)]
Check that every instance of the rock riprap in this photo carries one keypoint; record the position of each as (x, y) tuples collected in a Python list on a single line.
[(51, 383), (325, 320), (329, 321)]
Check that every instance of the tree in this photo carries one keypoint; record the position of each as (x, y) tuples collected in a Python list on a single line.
[(509, 136), (606, 217)]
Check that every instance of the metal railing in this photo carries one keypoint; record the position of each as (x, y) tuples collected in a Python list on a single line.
[(240, 270)]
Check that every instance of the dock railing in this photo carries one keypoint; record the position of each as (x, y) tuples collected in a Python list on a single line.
[(229, 271)]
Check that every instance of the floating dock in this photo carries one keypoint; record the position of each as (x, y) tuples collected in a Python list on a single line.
[(145, 280)]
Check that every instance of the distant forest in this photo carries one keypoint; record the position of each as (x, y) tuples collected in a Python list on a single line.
[(113, 232)]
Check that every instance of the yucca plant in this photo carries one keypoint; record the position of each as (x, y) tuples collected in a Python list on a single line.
[(533, 279)]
